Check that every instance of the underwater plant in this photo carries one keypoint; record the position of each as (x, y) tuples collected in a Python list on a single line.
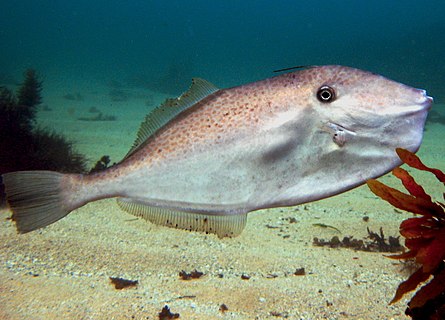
[(101, 164), (23, 146), (424, 237), (30, 92)]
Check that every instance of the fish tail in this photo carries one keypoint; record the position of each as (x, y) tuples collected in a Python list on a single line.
[(36, 198)]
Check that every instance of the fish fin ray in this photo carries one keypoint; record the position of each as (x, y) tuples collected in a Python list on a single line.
[(221, 225), (34, 198), (169, 109)]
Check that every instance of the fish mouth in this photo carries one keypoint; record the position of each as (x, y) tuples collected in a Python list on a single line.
[(424, 101), (422, 104), (427, 104)]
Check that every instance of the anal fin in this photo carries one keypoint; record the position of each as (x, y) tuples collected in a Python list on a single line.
[(221, 225)]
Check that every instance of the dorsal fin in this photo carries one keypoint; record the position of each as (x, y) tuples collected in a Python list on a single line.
[(169, 109), (221, 225)]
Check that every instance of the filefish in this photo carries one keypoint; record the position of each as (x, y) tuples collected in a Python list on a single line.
[(206, 159)]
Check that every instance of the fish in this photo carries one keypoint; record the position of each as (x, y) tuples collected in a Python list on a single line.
[(204, 160)]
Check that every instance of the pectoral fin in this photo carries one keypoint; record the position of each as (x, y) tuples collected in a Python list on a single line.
[(221, 225)]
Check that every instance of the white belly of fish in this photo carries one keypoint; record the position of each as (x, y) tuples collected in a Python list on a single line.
[(243, 175), (269, 169)]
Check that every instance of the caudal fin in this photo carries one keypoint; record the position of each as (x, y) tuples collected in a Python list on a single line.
[(35, 198)]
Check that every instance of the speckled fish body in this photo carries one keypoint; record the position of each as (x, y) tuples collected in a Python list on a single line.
[(283, 141)]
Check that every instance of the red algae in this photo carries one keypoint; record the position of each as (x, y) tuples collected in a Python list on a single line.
[(424, 235)]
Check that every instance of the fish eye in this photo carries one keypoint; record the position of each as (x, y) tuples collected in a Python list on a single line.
[(325, 94)]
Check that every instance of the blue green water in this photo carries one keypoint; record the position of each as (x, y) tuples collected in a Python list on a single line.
[(162, 44)]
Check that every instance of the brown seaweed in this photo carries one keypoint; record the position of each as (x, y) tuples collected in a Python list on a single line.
[(98, 117), (192, 275), (378, 243), (300, 272), (120, 283), (166, 314), (102, 164), (73, 96), (23, 144), (223, 308), (424, 234)]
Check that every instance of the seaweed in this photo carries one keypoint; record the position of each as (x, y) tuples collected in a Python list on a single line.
[(73, 96), (300, 272), (52, 151), (393, 244), (98, 117), (192, 275), (223, 308), (101, 164), (424, 237), (120, 283), (30, 93), (378, 243), (166, 314), (279, 314), (13, 116)]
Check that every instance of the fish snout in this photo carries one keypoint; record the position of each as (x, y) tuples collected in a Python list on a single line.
[(423, 99), (428, 102)]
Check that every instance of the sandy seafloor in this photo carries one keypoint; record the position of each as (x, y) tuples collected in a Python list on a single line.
[(62, 271)]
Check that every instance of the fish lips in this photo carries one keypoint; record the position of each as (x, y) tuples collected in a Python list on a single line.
[(418, 113), (427, 104), (424, 101), (420, 106)]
